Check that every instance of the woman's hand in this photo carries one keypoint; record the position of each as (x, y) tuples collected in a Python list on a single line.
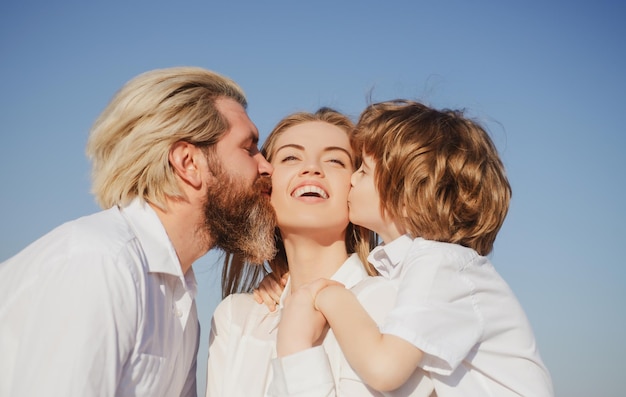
[(270, 290), (302, 326)]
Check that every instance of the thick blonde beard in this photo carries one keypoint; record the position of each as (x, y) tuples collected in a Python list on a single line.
[(239, 218)]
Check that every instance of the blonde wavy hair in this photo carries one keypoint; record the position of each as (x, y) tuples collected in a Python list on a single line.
[(437, 172), (238, 276), (130, 141)]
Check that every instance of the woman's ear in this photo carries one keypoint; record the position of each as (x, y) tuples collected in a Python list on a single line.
[(188, 161)]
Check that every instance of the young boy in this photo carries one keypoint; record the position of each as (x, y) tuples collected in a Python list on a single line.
[(434, 188)]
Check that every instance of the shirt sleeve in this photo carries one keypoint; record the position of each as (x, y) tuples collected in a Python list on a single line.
[(436, 309), (77, 326), (303, 374), (218, 348)]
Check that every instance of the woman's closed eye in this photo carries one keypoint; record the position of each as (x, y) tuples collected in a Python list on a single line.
[(288, 158), (338, 161)]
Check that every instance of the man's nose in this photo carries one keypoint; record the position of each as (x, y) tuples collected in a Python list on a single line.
[(264, 167)]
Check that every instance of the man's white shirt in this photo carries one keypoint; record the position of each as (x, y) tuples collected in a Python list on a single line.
[(99, 307)]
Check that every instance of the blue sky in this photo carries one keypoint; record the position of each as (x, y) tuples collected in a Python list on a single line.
[(546, 78)]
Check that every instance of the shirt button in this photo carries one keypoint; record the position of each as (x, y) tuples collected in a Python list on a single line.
[(178, 312)]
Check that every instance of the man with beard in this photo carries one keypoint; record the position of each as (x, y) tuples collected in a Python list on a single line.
[(104, 305)]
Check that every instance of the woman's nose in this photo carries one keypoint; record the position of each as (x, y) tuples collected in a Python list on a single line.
[(311, 168)]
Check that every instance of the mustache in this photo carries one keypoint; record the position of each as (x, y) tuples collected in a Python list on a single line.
[(263, 184)]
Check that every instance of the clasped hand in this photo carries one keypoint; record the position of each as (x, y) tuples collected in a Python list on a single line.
[(302, 326)]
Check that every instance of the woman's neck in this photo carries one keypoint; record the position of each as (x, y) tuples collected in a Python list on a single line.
[(311, 258)]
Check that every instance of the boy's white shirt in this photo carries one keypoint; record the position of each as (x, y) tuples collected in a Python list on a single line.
[(454, 306)]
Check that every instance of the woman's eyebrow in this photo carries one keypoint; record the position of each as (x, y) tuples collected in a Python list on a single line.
[(333, 148), (289, 145), (326, 149), (337, 148)]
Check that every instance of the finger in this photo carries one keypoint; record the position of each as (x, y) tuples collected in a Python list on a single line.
[(264, 296), (257, 296), (276, 292), (269, 302)]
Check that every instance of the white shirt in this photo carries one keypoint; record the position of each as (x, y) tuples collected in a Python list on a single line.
[(99, 307), (243, 345), (455, 307)]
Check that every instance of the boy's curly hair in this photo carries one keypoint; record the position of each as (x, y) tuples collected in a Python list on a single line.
[(437, 172)]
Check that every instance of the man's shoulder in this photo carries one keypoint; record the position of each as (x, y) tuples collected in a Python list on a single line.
[(88, 235), (107, 224), (100, 239), (102, 234)]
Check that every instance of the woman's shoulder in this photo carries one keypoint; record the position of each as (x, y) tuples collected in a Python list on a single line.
[(240, 314), (237, 306)]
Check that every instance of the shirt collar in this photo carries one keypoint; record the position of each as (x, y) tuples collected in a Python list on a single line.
[(387, 258), (160, 253), (349, 274)]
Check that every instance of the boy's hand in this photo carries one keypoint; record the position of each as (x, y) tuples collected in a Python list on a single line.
[(270, 290), (302, 326)]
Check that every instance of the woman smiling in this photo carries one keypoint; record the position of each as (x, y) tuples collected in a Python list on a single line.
[(313, 161)]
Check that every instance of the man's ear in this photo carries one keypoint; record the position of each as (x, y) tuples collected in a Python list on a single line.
[(188, 162)]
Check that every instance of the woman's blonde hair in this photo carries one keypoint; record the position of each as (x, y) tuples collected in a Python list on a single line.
[(238, 276), (437, 172), (130, 141)]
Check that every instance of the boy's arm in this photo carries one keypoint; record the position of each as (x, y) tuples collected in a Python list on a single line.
[(384, 362)]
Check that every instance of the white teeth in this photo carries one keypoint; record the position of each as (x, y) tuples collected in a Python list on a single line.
[(301, 191)]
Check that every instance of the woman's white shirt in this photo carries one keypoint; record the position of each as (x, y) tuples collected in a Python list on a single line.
[(242, 348)]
